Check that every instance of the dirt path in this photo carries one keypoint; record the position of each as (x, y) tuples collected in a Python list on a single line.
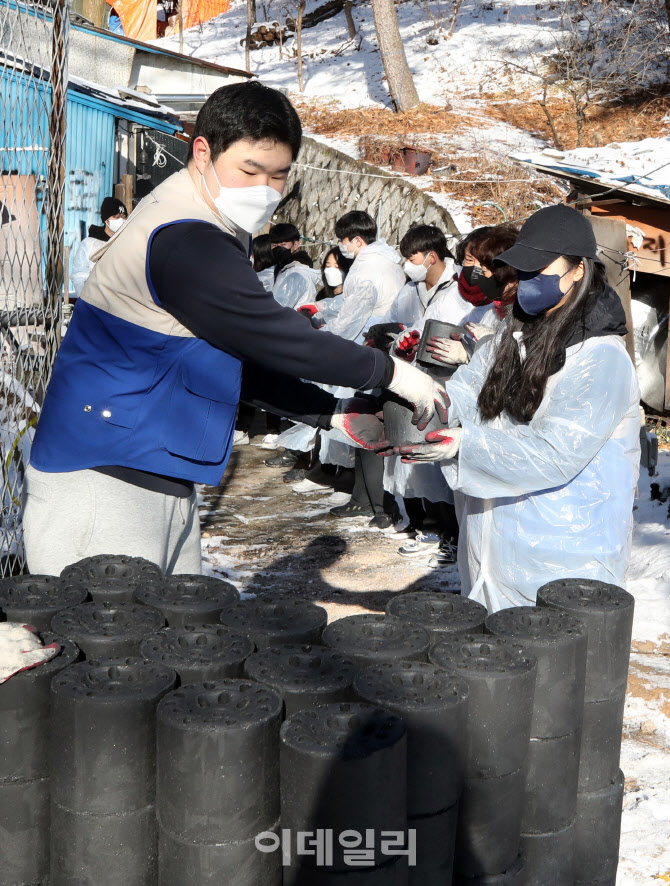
[(273, 541)]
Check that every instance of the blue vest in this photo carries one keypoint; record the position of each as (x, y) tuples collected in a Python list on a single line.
[(121, 394)]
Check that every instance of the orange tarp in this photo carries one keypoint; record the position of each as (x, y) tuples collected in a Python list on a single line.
[(138, 17)]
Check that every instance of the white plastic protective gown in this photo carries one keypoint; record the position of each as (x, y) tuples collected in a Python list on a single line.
[(552, 498), (267, 278), (296, 285), (413, 307), (369, 290), (82, 265)]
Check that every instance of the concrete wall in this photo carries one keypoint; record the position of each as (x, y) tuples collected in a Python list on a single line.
[(166, 75), (317, 198), (97, 59)]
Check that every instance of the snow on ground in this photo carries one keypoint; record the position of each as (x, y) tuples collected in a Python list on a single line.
[(649, 571), (336, 68), (645, 756)]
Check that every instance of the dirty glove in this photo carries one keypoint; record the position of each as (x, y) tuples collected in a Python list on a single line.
[(478, 331), (440, 446), (357, 419), (406, 344), (419, 389), (382, 335), (20, 649), (447, 350)]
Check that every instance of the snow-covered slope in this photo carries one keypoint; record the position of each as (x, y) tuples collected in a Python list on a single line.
[(350, 71)]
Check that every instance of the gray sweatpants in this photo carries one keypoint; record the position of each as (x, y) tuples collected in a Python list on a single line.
[(78, 514)]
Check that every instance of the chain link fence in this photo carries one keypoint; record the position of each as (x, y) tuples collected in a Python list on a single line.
[(33, 74)]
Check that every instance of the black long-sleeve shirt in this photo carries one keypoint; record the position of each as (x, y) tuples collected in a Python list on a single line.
[(203, 277)]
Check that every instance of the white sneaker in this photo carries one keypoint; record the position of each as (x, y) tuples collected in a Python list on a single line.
[(240, 438), (400, 531), (339, 498), (269, 441), (424, 544), (308, 487)]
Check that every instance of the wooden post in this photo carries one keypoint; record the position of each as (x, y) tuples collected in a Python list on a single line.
[(124, 191)]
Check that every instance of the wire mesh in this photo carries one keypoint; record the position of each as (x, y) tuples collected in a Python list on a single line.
[(33, 76)]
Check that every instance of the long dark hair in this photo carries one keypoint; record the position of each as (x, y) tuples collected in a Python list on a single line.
[(343, 264), (518, 387), (261, 253)]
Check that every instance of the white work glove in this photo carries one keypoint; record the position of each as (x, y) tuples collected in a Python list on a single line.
[(440, 446), (447, 350), (478, 331), (358, 421), (20, 649), (419, 389)]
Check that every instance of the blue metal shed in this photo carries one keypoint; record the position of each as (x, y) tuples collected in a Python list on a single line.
[(93, 115)]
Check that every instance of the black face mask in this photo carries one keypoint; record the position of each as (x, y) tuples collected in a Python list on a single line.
[(475, 276)]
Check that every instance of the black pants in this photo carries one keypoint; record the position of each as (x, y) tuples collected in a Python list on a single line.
[(439, 517), (369, 480)]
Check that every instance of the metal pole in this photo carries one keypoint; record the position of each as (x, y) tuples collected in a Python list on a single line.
[(55, 191)]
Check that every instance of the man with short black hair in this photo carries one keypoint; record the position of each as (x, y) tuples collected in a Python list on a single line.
[(286, 235), (144, 391)]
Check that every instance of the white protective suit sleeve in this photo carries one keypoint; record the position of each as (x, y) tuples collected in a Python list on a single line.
[(355, 311), (296, 286), (82, 264), (577, 416), (465, 384)]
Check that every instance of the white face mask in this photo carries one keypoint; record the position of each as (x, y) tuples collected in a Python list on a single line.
[(344, 249), (115, 224), (416, 273), (248, 208), (334, 277)]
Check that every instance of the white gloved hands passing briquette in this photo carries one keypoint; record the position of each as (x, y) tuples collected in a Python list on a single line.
[(358, 419), (426, 395), (447, 350), (21, 648), (439, 446)]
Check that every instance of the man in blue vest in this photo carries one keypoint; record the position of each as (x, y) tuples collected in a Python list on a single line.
[(143, 396)]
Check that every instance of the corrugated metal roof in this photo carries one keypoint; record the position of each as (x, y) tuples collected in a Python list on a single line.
[(159, 50)]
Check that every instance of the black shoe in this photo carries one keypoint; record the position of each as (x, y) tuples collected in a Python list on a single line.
[(381, 521), (295, 475), (352, 509), (283, 460)]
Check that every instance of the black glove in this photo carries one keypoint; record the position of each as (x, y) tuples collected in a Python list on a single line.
[(382, 335)]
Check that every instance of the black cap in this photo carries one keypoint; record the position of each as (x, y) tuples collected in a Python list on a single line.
[(549, 233), (111, 206)]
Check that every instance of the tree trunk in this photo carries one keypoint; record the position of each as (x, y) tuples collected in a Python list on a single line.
[(351, 24), (547, 113), (301, 12), (251, 18), (180, 18), (398, 75)]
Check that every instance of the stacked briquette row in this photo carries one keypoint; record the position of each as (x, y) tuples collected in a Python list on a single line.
[(25, 787), (607, 613), (424, 735), (557, 641)]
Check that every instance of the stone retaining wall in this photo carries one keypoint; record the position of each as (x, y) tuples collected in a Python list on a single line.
[(316, 198)]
